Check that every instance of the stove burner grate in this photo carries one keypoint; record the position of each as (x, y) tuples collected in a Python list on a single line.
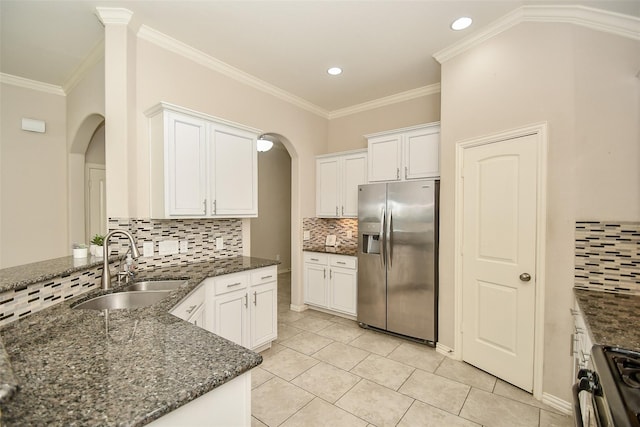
[(629, 370)]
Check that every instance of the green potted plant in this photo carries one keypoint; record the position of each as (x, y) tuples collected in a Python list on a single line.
[(96, 247)]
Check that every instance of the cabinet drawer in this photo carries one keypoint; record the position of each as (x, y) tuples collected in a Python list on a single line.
[(264, 275), (231, 282), (343, 261), (189, 305), (316, 258)]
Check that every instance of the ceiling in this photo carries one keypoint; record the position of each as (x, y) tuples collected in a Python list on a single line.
[(384, 47)]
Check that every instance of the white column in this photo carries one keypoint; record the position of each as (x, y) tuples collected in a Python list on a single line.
[(117, 87)]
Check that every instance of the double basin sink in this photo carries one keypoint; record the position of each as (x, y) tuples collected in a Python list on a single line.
[(135, 295)]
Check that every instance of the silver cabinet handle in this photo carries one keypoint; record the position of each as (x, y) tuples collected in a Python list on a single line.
[(343, 211), (405, 173), (324, 273), (266, 277), (190, 309), (336, 210), (574, 312), (314, 259), (255, 298), (246, 300), (397, 173), (330, 274), (525, 277), (204, 203), (214, 207), (234, 284), (340, 262)]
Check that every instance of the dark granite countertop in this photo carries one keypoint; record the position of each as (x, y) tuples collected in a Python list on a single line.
[(338, 250), (612, 319), (22, 275), (72, 372)]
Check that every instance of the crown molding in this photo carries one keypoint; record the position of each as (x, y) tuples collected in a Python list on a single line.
[(114, 15), (180, 48), (595, 19), (95, 56), (31, 84), (387, 100)]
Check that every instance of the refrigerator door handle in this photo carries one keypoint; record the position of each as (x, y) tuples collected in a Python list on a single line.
[(381, 238), (389, 236)]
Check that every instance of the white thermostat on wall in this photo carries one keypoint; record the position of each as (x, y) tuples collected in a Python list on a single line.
[(33, 125)]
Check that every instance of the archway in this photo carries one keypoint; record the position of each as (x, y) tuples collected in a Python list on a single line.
[(76, 173)]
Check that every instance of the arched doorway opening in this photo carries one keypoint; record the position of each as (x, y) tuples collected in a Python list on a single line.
[(77, 170)]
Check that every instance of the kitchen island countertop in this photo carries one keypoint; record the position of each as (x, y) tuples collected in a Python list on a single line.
[(612, 319), (71, 371), (338, 250)]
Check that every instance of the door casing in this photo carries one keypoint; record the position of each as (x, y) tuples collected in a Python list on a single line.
[(539, 130)]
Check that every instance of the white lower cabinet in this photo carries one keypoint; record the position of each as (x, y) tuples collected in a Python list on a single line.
[(246, 307), (241, 307), (331, 282), (224, 406)]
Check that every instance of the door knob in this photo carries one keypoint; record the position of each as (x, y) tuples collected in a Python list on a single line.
[(525, 277)]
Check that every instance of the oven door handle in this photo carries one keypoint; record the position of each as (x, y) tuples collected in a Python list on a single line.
[(577, 411)]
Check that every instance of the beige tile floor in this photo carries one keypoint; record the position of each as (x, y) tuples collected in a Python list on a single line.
[(325, 370)]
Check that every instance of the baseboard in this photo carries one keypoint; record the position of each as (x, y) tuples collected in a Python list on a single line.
[(298, 308), (557, 403), (447, 351)]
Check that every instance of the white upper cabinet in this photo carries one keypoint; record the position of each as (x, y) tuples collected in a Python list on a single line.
[(233, 171), (337, 180), (201, 166), (404, 154)]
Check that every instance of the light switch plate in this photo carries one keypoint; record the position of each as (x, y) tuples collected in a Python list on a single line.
[(184, 246), (219, 243), (168, 247), (306, 235), (147, 249)]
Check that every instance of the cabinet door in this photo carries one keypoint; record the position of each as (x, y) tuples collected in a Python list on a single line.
[(231, 315), (263, 308), (327, 187), (354, 173), (384, 158), (422, 154), (198, 317), (185, 165), (315, 285), (343, 290), (233, 179)]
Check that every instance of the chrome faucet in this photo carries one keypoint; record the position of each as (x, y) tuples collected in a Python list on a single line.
[(106, 274)]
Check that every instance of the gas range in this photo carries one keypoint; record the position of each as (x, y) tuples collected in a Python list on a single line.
[(614, 384)]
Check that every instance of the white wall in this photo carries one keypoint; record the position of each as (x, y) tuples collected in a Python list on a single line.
[(583, 84), (271, 230), (347, 132), (33, 178)]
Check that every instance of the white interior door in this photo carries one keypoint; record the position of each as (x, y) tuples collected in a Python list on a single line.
[(499, 251), (96, 201)]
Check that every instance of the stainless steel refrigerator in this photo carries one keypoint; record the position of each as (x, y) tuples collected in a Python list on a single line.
[(398, 257)]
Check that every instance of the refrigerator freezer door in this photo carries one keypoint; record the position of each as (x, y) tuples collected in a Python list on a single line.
[(411, 259), (372, 292)]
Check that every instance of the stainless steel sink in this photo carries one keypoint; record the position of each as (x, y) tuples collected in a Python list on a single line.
[(155, 285), (122, 300)]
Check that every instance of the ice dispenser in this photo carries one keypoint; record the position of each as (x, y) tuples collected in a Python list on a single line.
[(371, 243)]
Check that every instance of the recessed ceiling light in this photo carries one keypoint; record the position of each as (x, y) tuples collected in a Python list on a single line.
[(461, 23), (334, 71)]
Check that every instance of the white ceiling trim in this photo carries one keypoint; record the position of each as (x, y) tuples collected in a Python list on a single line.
[(180, 48), (95, 56), (114, 15), (387, 100), (596, 19), (31, 84)]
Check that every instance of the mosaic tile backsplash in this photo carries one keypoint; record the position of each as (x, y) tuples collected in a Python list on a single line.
[(608, 256), (200, 234), (320, 228)]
